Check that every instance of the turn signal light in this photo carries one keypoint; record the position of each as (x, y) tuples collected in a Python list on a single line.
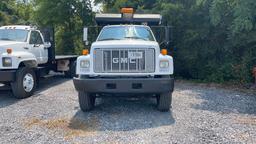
[(85, 52), (164, 51), (9, 50), (127, 10)]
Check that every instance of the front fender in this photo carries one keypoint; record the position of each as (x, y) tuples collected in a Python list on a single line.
[(18, 58)]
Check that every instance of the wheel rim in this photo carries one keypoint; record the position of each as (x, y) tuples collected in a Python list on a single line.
[(28, 82)]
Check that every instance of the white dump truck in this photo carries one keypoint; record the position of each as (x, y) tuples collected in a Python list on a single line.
[(26, 54), (125, 60)]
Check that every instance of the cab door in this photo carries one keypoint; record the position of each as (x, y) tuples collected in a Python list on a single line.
[(36, 45)]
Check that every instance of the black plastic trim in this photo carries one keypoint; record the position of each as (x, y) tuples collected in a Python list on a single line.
[(7, 75), (124, 85)]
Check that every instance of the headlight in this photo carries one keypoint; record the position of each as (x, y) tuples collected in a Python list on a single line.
[(84, 63), (164, 64), (7, 62)]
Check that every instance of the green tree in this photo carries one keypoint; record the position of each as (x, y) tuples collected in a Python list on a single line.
[(15, 12), (68, 18), (7, 12), (238, 17)]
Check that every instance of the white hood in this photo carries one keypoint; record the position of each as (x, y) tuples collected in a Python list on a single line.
[(16, 46), (125, 44)]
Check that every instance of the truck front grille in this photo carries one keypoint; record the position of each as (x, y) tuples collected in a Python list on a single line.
[(124, 60)]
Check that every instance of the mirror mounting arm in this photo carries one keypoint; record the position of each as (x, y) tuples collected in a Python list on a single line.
[(85, 36)]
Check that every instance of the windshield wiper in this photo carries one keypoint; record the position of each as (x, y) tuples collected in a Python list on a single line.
[(109, 39), (6, 39), (135, 37)]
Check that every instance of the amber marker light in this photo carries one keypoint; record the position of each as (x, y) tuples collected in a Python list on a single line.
[(9, 50), (85, 52), (164, 51), (127, 10)]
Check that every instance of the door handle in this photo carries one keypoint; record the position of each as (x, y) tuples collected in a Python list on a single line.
[(26, 48)]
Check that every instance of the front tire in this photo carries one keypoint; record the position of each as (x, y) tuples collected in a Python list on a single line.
[(25, 83), (164, 102), (86, 101)]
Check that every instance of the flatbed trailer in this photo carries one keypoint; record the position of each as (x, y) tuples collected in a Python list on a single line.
[(63, 57)]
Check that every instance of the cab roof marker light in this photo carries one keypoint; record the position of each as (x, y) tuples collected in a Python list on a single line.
[(127, 10)]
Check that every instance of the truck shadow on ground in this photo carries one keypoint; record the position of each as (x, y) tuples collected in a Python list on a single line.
[(222, 100), (7, 98), (112, 114), (46, 83)]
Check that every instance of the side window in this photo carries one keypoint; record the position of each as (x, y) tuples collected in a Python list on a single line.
[(35, 38)]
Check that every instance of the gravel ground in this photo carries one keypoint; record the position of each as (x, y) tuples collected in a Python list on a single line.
[(200, 114)]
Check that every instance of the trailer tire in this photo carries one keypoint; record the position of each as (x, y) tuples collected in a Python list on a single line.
[(164, 101), (72, 70), (86, 101), (25, 83)]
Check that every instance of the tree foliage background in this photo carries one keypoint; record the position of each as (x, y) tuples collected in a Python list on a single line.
[(213, 40)]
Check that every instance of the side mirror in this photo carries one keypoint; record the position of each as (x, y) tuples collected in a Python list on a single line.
[(167, 36), (85, 36), (47, 44)]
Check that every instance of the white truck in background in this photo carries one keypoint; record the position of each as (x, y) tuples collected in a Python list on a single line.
[(26, 54), (125, 60)]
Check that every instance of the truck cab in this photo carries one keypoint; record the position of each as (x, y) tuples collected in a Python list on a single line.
[(25, 56), (23, 41), (125, 59)]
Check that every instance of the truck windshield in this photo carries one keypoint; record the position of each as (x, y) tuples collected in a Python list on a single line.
[(13, 35), (126, 32)]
